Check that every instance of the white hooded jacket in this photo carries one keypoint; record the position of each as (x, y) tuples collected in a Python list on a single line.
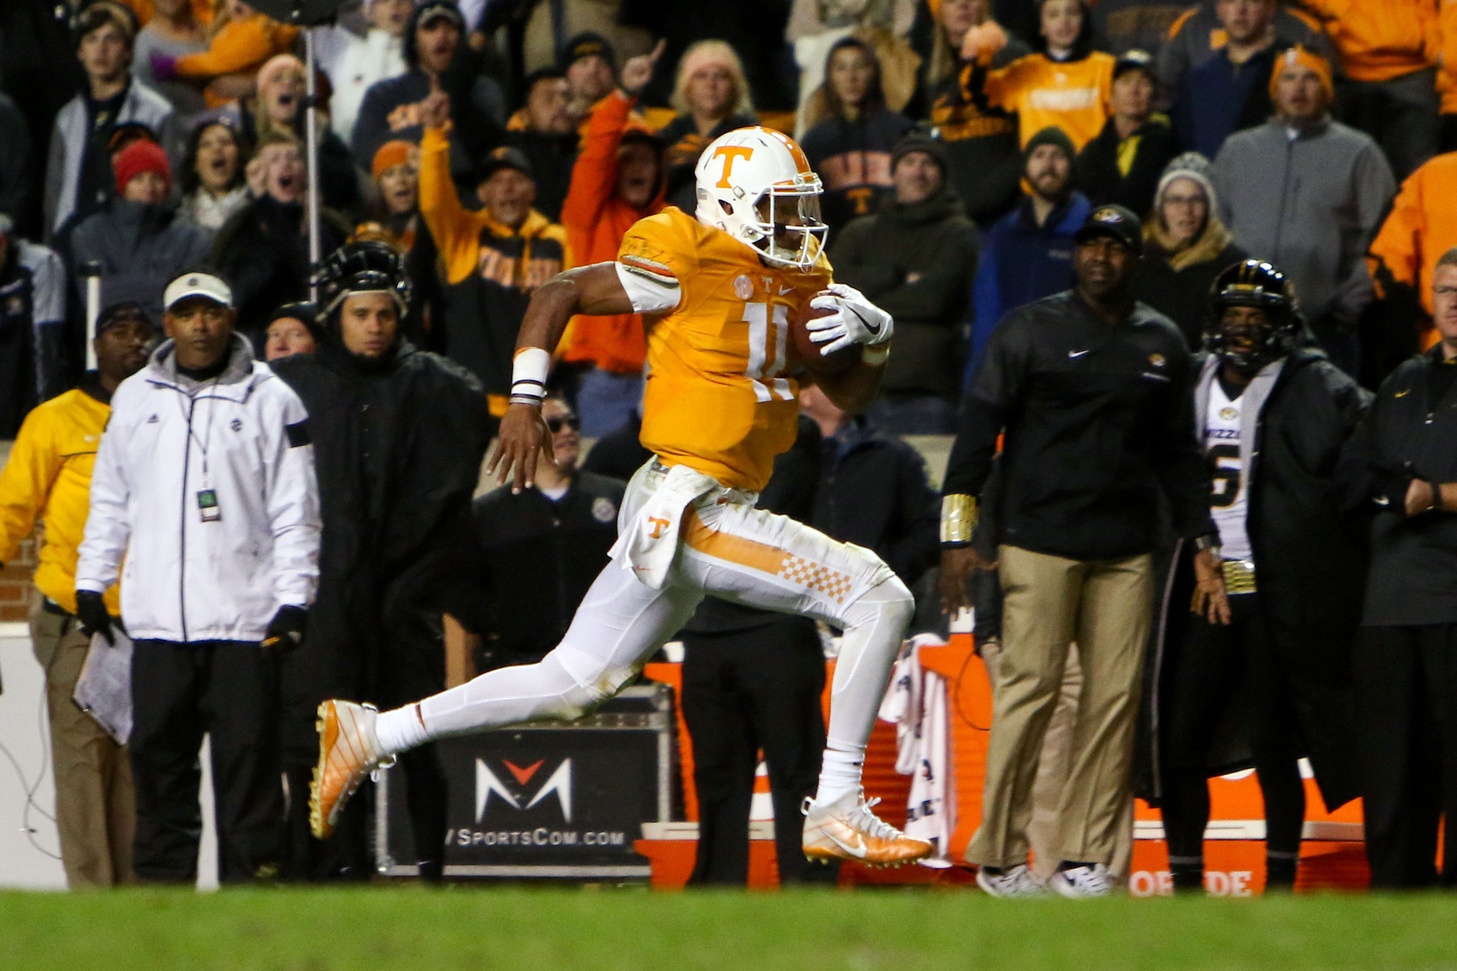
[(243, 436)]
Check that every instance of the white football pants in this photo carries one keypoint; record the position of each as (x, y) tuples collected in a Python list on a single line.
[(729, 549)]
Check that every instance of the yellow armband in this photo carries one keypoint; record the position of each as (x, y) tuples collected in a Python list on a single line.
[(958, 518)]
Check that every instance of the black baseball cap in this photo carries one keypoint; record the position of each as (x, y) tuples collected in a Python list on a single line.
[(126, 312), (1114, 221), (504, 157), (1136, 60)]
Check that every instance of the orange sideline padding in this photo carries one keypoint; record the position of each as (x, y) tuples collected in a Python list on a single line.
[(1332, 857)]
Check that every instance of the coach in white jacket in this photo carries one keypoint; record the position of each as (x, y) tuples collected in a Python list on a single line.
[(204, 484)]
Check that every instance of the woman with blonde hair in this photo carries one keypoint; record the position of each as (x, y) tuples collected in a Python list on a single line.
[(711, 96)]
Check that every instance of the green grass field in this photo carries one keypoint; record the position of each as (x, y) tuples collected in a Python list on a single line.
[(634, 930)]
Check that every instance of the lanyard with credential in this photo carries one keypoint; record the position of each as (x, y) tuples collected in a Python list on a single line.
[(208, 509)]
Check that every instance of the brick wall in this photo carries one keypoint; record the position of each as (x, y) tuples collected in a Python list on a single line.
[(15, 588)]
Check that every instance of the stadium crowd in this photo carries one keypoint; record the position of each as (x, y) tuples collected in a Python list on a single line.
[(1255, 195)]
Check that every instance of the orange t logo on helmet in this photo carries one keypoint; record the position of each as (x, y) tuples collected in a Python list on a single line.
[(729, 153)]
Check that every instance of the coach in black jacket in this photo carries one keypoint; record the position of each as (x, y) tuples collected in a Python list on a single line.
[(399, 436), (1093, 392), (1403, 458)]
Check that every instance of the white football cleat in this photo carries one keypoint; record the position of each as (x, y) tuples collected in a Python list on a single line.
[(348, 753), (846, 829)]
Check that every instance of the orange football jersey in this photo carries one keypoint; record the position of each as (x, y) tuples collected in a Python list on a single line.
[(720, 398)]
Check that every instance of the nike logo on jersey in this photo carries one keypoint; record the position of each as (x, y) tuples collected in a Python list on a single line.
[(784, 290), (1076, 354), (1402, 394)]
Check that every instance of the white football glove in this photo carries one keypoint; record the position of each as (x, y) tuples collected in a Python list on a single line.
[(856, 320)]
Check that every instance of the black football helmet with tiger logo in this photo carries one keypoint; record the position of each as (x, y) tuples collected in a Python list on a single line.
[(1245, 345)]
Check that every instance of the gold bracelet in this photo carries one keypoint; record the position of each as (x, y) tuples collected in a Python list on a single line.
[(958, 518)]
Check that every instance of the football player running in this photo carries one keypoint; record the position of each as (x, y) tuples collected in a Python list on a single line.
[(719, 291)]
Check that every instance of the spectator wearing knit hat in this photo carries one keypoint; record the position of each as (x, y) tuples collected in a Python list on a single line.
[(397, 221), (589, 63), (850, 149), (1308, 194), (1186, 247), (292, 329), (912, 258), (1123, 164), (78, 179), (392, 108), (136, 238), (1027, 254)]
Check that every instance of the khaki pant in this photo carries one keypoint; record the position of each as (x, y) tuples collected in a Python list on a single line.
[(95, 804), (1053, 767), (1066, 739)]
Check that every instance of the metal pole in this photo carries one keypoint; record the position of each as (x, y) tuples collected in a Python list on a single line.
[(91, 270), (311, 123)]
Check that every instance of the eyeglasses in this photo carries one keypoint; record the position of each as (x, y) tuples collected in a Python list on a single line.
[(554, 425)]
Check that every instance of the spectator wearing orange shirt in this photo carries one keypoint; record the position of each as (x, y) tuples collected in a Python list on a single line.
[(618, 179), (1403, 260), (1065, 84), (1447, 75)]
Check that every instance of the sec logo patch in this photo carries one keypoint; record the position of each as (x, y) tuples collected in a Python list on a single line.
[(603, 510)]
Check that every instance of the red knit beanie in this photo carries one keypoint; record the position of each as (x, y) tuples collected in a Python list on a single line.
[(138, 157)]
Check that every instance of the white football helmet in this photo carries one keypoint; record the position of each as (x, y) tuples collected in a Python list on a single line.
[(756, 185)]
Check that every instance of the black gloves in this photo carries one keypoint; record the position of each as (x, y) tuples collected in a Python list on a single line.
[(91, 609), (286, 629)]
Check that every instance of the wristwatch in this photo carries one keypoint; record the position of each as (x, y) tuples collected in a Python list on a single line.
[(1209, 541)]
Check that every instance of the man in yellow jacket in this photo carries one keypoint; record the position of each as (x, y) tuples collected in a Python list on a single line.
[(48, 476)]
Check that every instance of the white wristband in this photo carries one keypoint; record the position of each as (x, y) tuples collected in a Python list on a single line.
[(528, 375), (874, 354)]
